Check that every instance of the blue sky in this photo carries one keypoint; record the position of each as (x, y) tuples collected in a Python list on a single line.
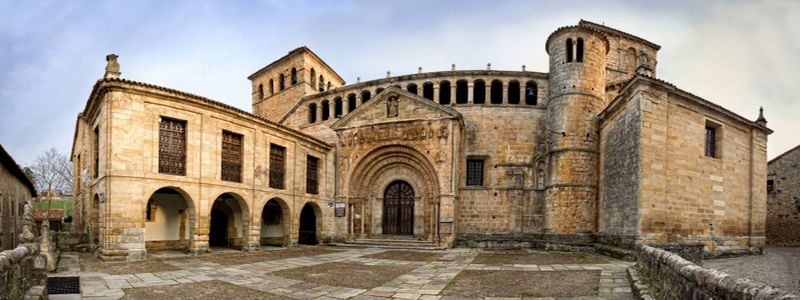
[(739, 54)]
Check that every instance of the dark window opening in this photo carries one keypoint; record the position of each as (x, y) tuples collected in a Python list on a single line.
[(294, 76), (351, 102), (321, 83), (326, 110), (569, 50), (513, 92), (461, 92), (277, 166), (479, 92), (172, 147), (312, 113), (231, 156), (444, 92), (711, 141), (271, 87), (312, 78), (365, 96), (378, 91), (151, 207), (474, 172), (770, 186), (497, 92), (260, 91), (329, 86), (411, 88), (579, 51), (312, 175), (281, 82), (337, 107), (427, 90), (530, 93)]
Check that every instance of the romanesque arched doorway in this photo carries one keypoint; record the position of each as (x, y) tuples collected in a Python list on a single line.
[(275, 222), (398, 209), (167, 220), (228, 222), (308, 225)]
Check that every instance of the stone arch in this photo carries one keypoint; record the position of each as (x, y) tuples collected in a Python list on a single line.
[(479, 91), (169, 219), (326, 110), (411, 88), (365, 96), (351, 102), (236, 214), (276, 220), (513, 92), (310, 223), (444, 92)]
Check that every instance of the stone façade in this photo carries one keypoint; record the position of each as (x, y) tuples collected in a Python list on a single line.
[(596, 150), (783, 199)]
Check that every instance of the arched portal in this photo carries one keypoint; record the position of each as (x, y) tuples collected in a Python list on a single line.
[(228, 222), (168, 216), (275, 220), (398, 209), (308, 225)]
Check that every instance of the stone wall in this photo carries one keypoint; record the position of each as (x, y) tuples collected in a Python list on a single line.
[(13, 195), (783, 200), (672, 277), (21, 269)]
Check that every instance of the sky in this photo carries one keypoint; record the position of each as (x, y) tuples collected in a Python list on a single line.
[(739, 54)]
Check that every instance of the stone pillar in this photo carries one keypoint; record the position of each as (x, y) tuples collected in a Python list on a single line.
[(319, 112), (453, 99), (487, 88), (521, 93), (505, 92), (436, 93), (419, 89), (470, 96), (345, 106)]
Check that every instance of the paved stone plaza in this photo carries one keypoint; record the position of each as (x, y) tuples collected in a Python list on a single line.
[(432, 276)]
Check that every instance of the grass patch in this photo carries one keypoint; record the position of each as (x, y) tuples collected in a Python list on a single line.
[(485, 283), (345, 275)]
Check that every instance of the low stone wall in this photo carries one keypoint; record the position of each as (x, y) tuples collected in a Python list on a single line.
[(672, 277), (555, 242), (72, 241), (21, 269)]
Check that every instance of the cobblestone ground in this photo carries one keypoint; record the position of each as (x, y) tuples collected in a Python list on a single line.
[(426, 280), (779, 267)]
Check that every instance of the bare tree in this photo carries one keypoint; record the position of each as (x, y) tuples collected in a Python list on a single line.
[(52, 172)]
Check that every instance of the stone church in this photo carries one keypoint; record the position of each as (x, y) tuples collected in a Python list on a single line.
[(597, 150)]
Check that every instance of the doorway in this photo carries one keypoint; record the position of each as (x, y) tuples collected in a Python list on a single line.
[(398, 209), (308, 226)]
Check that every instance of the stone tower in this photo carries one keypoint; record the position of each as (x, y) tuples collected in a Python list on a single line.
[(278, 87), (577, 94)]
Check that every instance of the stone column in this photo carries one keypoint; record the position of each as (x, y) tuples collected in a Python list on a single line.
[(419, 89), (453, 99), (487, 88), (470, 96), (505, 92), (319, 112), (436, 93), (345, 106)]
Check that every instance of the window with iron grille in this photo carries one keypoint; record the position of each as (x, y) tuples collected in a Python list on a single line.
[(277, 166), (312, 175), (711, 141), (474, 172), (172, 147), (231, 156)]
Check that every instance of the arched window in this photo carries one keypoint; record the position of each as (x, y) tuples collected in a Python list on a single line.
[(378, 91), (351, 102), (260, 91), (294, 76), (579, 51), (530, 93), (497, 92), (326, 110), (540, 176), (329, 86), (427, 90), (513, 92), (321, 83), (444, 92), (461, 92), (411, 88), (365, 96), (629, 61), (337, 107), (479, 92), (281, 82), (271, 87), (312, 113), (313, 78), (569, 50)]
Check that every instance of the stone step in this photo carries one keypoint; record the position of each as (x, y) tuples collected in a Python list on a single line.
[(392, 244)]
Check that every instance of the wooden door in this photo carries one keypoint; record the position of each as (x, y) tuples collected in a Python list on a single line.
[(398, 209)]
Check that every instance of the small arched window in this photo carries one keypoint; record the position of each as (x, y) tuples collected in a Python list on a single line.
[(365, 96), (329, 86), (378, 91), (530, 93), (411, 88), (337, 107), (461, 92), (513, 92), (326, 110), (281, 82), (351, 102), (312, 79), (427, 90), (271, 87), (312, 113), (569, 50), (479, 92), (321, 83), (260, 91), (579, 51), (444, 92), (497, 92), (294, 76)]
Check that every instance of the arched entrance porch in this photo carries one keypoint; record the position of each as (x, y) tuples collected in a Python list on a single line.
[(169, 219), (275, 223), (228, 222), (310, 217)]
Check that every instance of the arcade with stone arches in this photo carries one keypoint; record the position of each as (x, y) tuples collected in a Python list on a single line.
[(393, 193)]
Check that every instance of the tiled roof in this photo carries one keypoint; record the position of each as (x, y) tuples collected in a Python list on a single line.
[(296, 50), (783, 154), (56, 214)]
